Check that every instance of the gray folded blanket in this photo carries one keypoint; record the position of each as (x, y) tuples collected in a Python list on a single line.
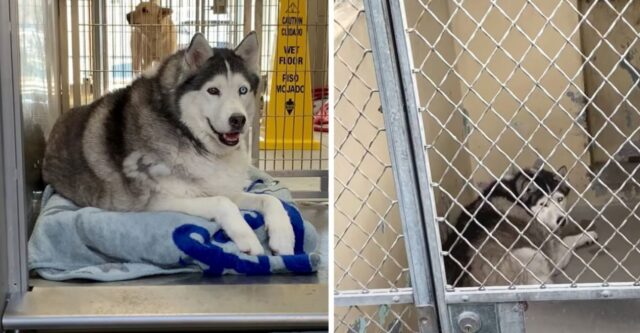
[(69, 242)]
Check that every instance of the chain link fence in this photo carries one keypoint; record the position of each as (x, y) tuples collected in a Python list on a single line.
[(370, 255), (531, 120)]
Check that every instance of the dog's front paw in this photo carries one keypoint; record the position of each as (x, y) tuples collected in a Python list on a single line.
[(591, 238), (281, 236), (248, 243), (281, 239)]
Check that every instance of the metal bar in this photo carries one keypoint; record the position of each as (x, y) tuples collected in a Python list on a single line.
[(255, 131), (96, 30), (104, 44), (6, 102), (246, 21), (11, 114), (320, 195), (255, 142), (63, 51), (324, 183), (551, 292), (299, 173), (401, 137), (258, 22), (417, 135), (255, 306), (75, 53), (373, 297), (510, 317)]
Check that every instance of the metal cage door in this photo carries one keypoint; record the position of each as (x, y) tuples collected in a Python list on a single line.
[(509, 90), (377, 299), (408, 148)]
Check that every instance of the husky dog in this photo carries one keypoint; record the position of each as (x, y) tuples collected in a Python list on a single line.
[(174, 140), (509, 235), (154, 35)]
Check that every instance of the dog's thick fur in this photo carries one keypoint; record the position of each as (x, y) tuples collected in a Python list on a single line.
[(509, 235), (173, 140), (154, 36)]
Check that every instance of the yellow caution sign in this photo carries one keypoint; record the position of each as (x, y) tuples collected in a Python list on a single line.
[(289, 118)]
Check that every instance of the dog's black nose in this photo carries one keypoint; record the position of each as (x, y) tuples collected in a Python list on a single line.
[(237, 121), (129, 18)]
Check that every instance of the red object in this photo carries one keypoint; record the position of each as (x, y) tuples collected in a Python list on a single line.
[(321, 119), (320, 93), (321, 114)]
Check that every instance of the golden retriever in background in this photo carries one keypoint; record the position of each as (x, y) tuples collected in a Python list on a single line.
[(154, 36)]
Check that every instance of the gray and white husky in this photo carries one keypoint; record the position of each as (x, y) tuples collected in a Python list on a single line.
[(174, 140), (510, 235)]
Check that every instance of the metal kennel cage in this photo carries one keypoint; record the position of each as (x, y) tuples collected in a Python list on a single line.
[(38, 54), (469, 91), (100, 59)]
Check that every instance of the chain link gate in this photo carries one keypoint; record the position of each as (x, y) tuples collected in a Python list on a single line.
[(524, 103), (381, 268)]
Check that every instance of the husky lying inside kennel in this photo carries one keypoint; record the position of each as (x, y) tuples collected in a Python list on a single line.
[(531, 122)]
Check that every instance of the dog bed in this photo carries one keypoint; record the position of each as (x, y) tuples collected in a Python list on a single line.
[(69, 242)]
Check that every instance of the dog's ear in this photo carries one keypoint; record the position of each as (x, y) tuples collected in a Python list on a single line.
[(522, 182), (164, 12), (198, 52), (562, 171), (249, 51)]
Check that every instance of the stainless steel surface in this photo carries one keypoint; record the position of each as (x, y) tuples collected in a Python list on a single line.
[(6, 102), (219, 307), (240, 302), (605, 316), (373, 297), (404, 127), (555, 292), (511, 317), (322, 191), (15, 214)]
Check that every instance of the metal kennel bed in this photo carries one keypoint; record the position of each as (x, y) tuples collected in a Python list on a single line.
[(34, 89), (469, 90)]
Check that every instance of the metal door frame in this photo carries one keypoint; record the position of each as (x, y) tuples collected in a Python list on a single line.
[(13, 221), (403, 120)]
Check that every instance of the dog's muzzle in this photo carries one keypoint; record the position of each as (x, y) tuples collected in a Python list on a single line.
[(562, 221), (230, 138), (237, 121)]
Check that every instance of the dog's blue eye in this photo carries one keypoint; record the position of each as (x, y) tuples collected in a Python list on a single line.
[(243, 90), (560, 199), (213, 91)]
